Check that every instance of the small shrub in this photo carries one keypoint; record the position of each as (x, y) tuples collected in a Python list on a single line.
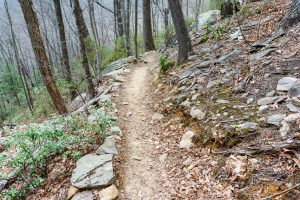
[(165, 63)]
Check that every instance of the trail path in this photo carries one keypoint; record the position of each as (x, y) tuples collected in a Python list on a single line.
[(141, 172)]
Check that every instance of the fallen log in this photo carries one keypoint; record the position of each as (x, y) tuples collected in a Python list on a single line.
[(264, 149)]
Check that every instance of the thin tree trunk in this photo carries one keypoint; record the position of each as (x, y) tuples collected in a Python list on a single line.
[(136, 29), (125, 13), (64, 49), (148, 38), (40, 53), (182, 34), (83, 50)]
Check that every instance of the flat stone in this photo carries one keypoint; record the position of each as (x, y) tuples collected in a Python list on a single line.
[(227, 58), (248, 126), (157, 117), (115, 130), (186, 141), (2, 184), (108, 147), (271, 93), (286, 83), (263, 108), (294, 91), (292, 117), (269, 100), (85, 195), (261, 54), (250, 100), (93, 170), (104, 98), (285, 129), (197, 113), (275, 119), (187, 73), (109, 193), (222, 101), (293, 108), (72, 191)]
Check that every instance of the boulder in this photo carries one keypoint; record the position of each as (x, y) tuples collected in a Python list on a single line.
[(109, 193), (93, 170), (286, 83), (293, 108), (285, 129), (261, 54), (108, 147), (292, 117), (186, 141), (275, 119), (2, 184)]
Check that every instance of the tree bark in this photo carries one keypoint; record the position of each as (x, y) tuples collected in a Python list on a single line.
[(64, 49), (125, 8), (182, 34), (136, 29), (40, 53), (147, 26), (292, 16), (85, 63)]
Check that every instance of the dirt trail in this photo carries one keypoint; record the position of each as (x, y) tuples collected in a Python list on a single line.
[(141, 172)]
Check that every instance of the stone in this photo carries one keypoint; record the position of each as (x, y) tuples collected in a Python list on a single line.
[(270, 100), (113, 66), (186, 103), (91, 118), (271, 93), (250, 100), (104, 98), (296, 101), (235, 35), (227, 58), (293, 108), (187, 73), (285, 83), (119, 79), (157, 117), (275, 119), (108, 147), (72, 191), (263, 108), (222, 101), (197, 113), (285, 129), (2, 184), (114, 130), (211, 84), (188, 161), (85, 195), (163, 157), (130, 59), (186, 141), (294, 91), (248, 126), (292, 117), (261, 54), (78, 101), (93, 170), (192, 58), (109, 193)]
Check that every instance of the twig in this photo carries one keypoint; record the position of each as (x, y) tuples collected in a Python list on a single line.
[(281, 193)]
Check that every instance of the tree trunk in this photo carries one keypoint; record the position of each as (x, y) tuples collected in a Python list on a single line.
[(40, 53), (182, 34), (292, 16), (125, 12), (119, 18), (147, 26), (18, 61), (83, 50), (63, 43), (136, 28)]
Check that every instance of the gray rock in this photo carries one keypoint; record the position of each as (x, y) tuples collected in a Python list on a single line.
[(263, 108), (85, 195), (292, 117), (186, 141), (222, 101), (197, 113), (227, 58), (275, 119), (286, 83), (271, 93), (270, 100), (187, 73), (2, 184), (296, 101), (114, 66), (108, 147), (210, 17), (294, 91), (93, 170), (211, 84), (104, 98), (250, 100), (109, 193), (249, 126), (285, 129), (114, 130), (261, 54), (119, 79), (293, 108), (235, 35), (192, 58)]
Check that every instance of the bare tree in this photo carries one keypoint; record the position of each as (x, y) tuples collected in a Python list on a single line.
[(85, 63), (148, 38), (63, 43), (136, 28), (125, 10), (182, 34), (40, 53)]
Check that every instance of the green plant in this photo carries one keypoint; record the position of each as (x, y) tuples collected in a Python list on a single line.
[(165, 63)]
